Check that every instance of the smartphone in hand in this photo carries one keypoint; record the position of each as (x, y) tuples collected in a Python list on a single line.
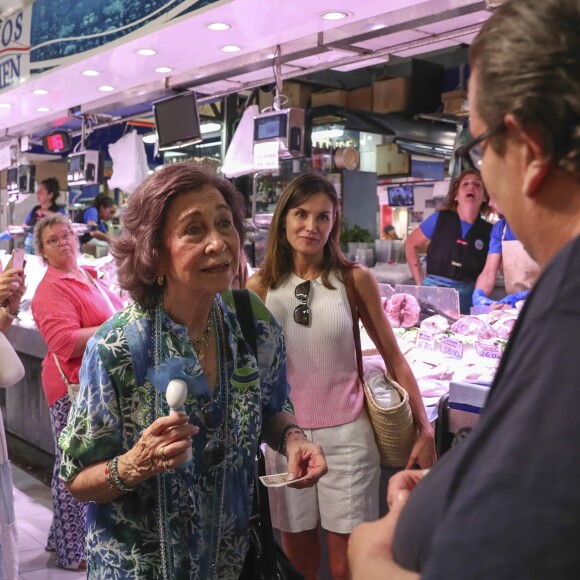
[(16, 261)]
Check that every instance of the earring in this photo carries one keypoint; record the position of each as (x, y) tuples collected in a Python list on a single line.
[(161, 280)]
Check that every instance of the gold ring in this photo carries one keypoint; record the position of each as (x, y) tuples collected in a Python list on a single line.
[(166, 466), (162, 453)]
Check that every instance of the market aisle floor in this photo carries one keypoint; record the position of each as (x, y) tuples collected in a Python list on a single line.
[(33, 507)]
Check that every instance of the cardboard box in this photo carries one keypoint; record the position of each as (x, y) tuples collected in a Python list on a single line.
[(360, 99), (391, 95), (329, 97), (298, 96), (58, 169), (454, 101), (391, 162)]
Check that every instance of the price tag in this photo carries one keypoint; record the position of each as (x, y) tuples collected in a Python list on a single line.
[(425, 340), (488, 349), (452, 347), (266, 155)]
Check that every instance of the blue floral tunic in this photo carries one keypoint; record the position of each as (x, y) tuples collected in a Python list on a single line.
[(190, 523)]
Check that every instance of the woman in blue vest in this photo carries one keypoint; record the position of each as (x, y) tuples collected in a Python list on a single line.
[(459, 240)]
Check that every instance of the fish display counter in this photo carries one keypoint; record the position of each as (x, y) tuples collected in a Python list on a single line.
[(440, 345)]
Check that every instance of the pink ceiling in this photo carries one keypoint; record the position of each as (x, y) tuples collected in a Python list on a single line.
[(193, 51)]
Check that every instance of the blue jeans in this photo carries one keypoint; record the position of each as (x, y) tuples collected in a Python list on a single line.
[(465, 289)]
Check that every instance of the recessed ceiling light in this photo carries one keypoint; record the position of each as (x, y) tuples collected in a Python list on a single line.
[(146, 52), (163, 69), (335, 15), (218, 26), (40, 92), (106, 88), (5, 105), (91, 73), (43, 109), (231, 48)]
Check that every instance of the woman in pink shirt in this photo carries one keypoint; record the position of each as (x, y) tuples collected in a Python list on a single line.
[(302, 282), (68, 307)]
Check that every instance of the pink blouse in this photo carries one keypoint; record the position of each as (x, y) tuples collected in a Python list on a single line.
[(61, 306)]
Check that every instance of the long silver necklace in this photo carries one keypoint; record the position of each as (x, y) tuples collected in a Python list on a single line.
[(220, 477), (162, 478)]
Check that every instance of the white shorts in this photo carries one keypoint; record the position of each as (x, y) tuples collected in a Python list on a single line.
[(346, 496)]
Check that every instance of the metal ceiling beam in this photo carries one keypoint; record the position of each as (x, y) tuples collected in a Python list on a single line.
[(399, 20)]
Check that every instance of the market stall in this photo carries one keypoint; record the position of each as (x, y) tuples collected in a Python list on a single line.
[(440, 346)]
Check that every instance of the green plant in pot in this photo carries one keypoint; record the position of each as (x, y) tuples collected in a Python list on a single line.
[(354, 234)]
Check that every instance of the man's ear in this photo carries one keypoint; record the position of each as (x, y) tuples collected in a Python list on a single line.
[(535, 162)]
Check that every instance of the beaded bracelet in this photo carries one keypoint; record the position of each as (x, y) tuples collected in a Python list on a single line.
[(114, 476), (286, 432), (108, 479)]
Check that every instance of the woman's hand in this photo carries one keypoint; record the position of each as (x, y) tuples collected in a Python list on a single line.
[(13, 304), (162, 447), (423, 453), (305, 459), (7, 286), (370, 546)]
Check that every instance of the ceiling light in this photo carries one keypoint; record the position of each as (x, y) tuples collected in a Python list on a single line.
[(231, 48), (106, 88), (210, 127), (217, 26), (163, 69), (146, 52), (335, 15), (5, 105), (91, 73), (40, 92), (43, 109), (150, 138)]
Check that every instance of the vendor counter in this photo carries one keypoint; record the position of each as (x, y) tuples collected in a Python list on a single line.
[(24, 405)]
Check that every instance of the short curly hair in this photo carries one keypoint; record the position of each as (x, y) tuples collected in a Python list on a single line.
[(56, 219), (137, 249)]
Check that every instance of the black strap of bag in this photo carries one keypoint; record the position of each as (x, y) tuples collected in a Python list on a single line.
[(272, 562)]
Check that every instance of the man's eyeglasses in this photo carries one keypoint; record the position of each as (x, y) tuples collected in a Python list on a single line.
[(302, 311), (55, 241), (472, 151), (212, 419)]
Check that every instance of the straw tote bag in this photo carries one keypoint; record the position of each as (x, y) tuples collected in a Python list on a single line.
[(394, 427)]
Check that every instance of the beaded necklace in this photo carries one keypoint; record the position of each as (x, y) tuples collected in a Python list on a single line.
[(222, 395), (201, 343), (163, 479)]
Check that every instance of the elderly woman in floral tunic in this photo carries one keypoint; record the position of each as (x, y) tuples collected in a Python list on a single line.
[(156, 513)]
